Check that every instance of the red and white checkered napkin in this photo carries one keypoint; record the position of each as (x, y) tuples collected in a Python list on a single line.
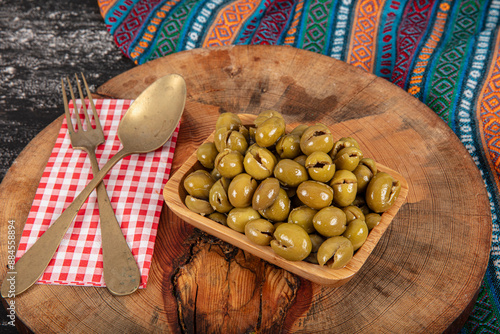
[(134, 187)]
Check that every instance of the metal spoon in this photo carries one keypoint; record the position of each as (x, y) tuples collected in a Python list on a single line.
[(147, 125)]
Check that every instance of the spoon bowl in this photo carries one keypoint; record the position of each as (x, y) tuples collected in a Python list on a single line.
[(148, 123)]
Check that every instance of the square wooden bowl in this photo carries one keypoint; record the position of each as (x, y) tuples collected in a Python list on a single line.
[(174, 195)]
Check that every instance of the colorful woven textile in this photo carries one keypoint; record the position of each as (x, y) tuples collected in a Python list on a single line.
[(445, 53)]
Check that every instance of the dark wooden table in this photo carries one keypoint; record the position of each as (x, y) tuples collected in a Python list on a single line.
[(42, 41)]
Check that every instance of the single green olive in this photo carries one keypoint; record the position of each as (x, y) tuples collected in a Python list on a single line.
[(259, 162), (237, 218), (348, 158), (200, 206), (288, 146), (356, 232), (260, 231), (215, 174), (290, 173), (316, 241), (344, 185), (229, 163), (230, 139), (314, 194), (299, 129), (353, 212), (319, 166), (218, 217), (343, 143), (301, 159), (270, 131), (372, 219), (206, 154), (218, 196), (303, 216), (382, 192), (335, 252), (265, 194), (291, 242), (198, 183), (330, 221), (364, 173), (279, 210), (241, 190), (228, 120), (265, 115), (316, 138)]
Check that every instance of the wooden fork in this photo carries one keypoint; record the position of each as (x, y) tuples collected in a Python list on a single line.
[(121, 273)]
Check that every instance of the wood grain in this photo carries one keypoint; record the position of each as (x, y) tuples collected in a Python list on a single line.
[(421, 277)]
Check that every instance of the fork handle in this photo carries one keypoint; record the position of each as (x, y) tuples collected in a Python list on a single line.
[(33, 263), (121, 273)]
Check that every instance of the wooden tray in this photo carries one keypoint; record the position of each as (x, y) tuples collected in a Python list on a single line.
[(423, 276), (175, 194)]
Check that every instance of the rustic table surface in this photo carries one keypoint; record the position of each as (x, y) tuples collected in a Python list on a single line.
[(42, 41)]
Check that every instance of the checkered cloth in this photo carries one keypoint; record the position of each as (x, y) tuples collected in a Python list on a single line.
[(134, 187)]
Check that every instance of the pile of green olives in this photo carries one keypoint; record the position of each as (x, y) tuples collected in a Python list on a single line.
[(302, 193)]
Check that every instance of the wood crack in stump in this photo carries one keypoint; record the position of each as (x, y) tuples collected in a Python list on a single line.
[(220, 288)]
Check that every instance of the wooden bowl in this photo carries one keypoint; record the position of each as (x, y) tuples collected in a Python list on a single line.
[(174, 195)]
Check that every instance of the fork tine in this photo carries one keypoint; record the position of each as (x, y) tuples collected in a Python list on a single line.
[(89, 96), (82, 98), (77, 112), (66, 108)]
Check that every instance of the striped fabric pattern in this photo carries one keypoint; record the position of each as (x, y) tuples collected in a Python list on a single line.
[(445, 53)]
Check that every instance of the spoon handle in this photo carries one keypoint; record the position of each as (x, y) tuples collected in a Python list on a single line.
[(33, 263)]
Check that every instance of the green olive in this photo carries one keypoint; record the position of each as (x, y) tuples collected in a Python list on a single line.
[(335, 252), (348, 158), (353, 212), (320, 167), (316, 241), (241, 190), (303, 216), (290, 173), (260, 231), (372, 219), (215, 174), (237, 218), (198, 183), (360, 202), (343, 143), (218, 196), (330, 221), (265, 115), (381, 192), (228, 121), (279, 210), (230, 139), (291, 242), (198, 205), (364, 173), (301, 159), (299, 129), (270, 131), (218, 217), (259, 162), (288, 146), (206, 154), (229, 163), (314, 194), (265, 194), (356, 232), (316, 138), (344, 185)]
